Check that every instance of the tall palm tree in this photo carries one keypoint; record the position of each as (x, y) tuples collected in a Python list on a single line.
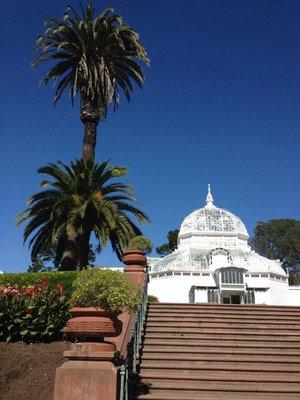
[(96, 58), (79, 200)]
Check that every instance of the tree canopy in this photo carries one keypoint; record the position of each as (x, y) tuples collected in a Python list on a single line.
[(47, 261), (279, 239), (96, 57), (79, 200), (171, 244)]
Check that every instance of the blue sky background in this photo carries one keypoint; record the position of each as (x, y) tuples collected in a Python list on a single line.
[(221, 105)]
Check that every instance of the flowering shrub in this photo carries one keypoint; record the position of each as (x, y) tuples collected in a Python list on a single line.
[(33, 278), (34, 313)]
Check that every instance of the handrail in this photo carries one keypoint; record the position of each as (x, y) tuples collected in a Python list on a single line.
[(128, 370)]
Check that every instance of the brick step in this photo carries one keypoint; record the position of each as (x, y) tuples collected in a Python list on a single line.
[(216, 395), (221, 352), (219, 312), (221, 336), (215, 344), (220, 365), (197, 385), (232, 376), (255, 358), (232, 307), (232, 325), (169, 349), (221, 318), (171, 308), (223, 313), (221, 307), (225, 331)]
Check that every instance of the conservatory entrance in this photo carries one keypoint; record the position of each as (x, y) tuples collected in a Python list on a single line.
[(231, 299)]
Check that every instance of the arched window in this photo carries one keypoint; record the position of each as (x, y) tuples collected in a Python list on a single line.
[(219, 258)]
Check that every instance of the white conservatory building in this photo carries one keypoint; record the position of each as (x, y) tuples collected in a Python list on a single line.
[(213, 263)]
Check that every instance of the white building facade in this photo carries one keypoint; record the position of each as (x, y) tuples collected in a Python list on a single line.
[(213, 263)]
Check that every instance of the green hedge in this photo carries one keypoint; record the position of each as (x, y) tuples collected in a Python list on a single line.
[(32, 278)]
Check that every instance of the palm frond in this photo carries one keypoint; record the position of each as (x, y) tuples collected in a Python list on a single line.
[(82, 200), (97, 56)]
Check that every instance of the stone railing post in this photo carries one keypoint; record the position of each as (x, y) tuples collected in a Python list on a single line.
[(135, 261), (90, 372)]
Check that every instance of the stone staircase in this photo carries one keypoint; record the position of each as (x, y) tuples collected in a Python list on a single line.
[(224, 352)]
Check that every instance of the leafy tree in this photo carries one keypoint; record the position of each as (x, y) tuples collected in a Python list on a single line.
[(43, 262), (141, 243), (46, 261), (279, 239), (96, 57), (171, 245), (78, 201), (294, 278)]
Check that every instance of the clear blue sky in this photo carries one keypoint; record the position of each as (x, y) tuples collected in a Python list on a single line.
[(221, 106)]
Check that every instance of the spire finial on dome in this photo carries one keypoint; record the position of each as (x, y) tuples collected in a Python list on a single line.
[(209, 198)]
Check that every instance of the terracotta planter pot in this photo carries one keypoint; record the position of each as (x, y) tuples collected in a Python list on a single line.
[(135, 261), (93, 322), (134, 258)]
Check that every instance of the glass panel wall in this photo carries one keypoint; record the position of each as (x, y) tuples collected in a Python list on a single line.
[(212, 296), (249, 297)]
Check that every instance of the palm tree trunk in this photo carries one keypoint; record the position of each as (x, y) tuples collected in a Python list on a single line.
[(68, 260), (83, 248), (90, 115), (89, 140)]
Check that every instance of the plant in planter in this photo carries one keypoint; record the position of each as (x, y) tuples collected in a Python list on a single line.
[(135, 259), (99, 296), (141, 243)]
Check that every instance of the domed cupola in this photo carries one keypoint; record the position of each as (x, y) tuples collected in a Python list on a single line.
[(213, 226)]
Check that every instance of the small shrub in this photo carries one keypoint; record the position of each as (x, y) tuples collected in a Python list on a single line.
[(152, 299), (103, 288), (32, 314), (141, 243)]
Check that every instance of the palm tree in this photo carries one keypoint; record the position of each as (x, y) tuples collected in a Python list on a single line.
[(78, 201), (96, 58)]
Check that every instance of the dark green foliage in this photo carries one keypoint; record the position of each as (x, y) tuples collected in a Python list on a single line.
[(170, 246), (294, 278), (43, 262), (47, 261), (278, 239), (33, 314), (141, 243), (103, 288), (22, 280), (80, 200), (152, 299)]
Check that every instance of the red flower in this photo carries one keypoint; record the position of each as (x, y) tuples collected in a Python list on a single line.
[(59, 287), (30, 290), (14, 290)]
